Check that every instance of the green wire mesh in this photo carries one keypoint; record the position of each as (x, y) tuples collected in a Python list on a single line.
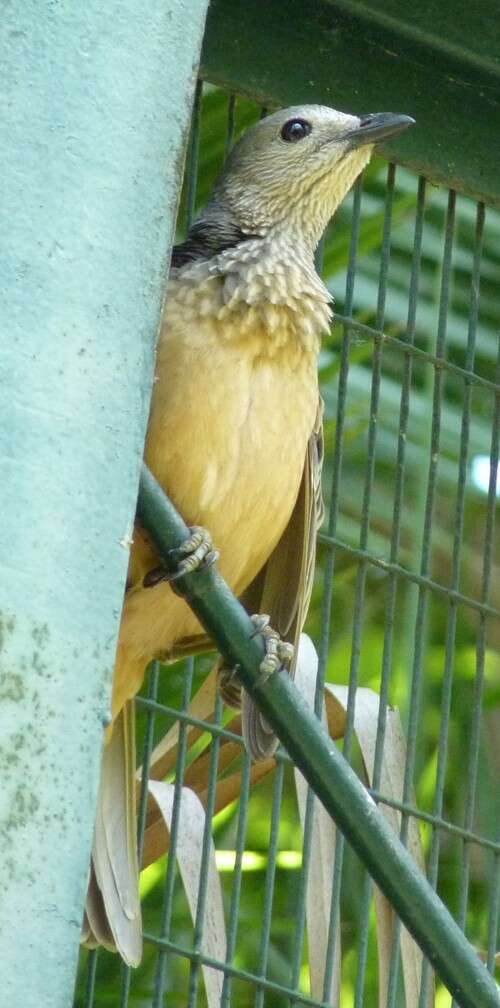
[(405, 602)]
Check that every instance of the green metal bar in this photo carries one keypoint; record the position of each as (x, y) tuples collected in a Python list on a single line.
[(231, 111), (377, 795), (161, 973), (458, 525), (270, 880), (494, 909), (300, 925), (475, 728), (407, 807), (153, 679), (426, 550), (201, 899), (326, 611), (417, 352), (359, 598), (193, 155), (424, 581), (360, 583), (442, 824), (91, 978), (316, 51), (323, 766), (298, 949), (95, 114), (234, 971), (232, 929), (186, 718), (160, 980), (494, 921), (393, 584)]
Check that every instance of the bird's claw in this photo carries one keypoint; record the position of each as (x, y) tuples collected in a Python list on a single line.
[(195, 554), (278, 653)]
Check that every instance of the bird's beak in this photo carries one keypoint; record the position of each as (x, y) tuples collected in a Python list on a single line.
[(378, 126)]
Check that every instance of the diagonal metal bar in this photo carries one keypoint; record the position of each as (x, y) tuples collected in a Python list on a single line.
[(323, 766)]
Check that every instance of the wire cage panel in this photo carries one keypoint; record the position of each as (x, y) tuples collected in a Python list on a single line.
[(405, 607)]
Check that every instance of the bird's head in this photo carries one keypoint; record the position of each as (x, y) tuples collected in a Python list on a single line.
[(292, 169)]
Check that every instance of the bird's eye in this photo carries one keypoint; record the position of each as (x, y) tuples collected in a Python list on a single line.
[(295, 129)]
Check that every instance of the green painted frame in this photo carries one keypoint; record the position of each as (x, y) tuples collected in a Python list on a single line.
[(252, 48)]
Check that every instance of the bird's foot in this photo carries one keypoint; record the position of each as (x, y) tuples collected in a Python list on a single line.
[(229, 683), (196, 553), (278, 654)]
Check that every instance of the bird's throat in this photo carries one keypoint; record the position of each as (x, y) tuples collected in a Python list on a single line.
[(267, 286)]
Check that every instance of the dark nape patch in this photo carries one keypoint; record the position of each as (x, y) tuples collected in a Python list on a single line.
[(207, 239)]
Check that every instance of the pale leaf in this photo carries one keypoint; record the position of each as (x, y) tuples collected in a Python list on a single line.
[(163, 760), (391, 784), (188, 853), (320, 879)]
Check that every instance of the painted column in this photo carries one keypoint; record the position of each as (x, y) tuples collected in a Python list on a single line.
[(96, 101)]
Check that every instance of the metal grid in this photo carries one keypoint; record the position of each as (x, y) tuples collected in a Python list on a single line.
[(357, 563)]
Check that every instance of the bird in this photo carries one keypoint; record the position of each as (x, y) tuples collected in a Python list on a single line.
[(234, 439)]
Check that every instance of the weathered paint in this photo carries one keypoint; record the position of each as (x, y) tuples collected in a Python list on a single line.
[(95, 110)]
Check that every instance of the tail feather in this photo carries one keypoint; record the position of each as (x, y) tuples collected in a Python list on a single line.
[(260, 739), (96, 930), (113, 909)]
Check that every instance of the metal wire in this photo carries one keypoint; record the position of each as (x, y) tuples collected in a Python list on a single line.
[(423, 598), (237, 878), (192, 161), (473, 760), (440, 363), (90, 980), (201, 902), (393, 583), (424, 581), (166, 919), (433, 864), (260, 987), (281, 756), (143, 803), (256, 981), (161, 975), (329, 567), (231, 111)]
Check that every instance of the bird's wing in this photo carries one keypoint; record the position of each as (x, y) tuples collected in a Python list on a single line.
[(283, 588), (287, 578)]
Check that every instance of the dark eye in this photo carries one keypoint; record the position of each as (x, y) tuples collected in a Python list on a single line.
[(295, 129)]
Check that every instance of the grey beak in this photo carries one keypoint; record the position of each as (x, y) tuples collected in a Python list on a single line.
[(378, 126)]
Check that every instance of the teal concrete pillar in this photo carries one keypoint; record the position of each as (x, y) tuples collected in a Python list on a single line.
[(95, 103)]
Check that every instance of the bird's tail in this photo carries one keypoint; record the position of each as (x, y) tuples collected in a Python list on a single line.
[(113, 911), (260, 739)]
